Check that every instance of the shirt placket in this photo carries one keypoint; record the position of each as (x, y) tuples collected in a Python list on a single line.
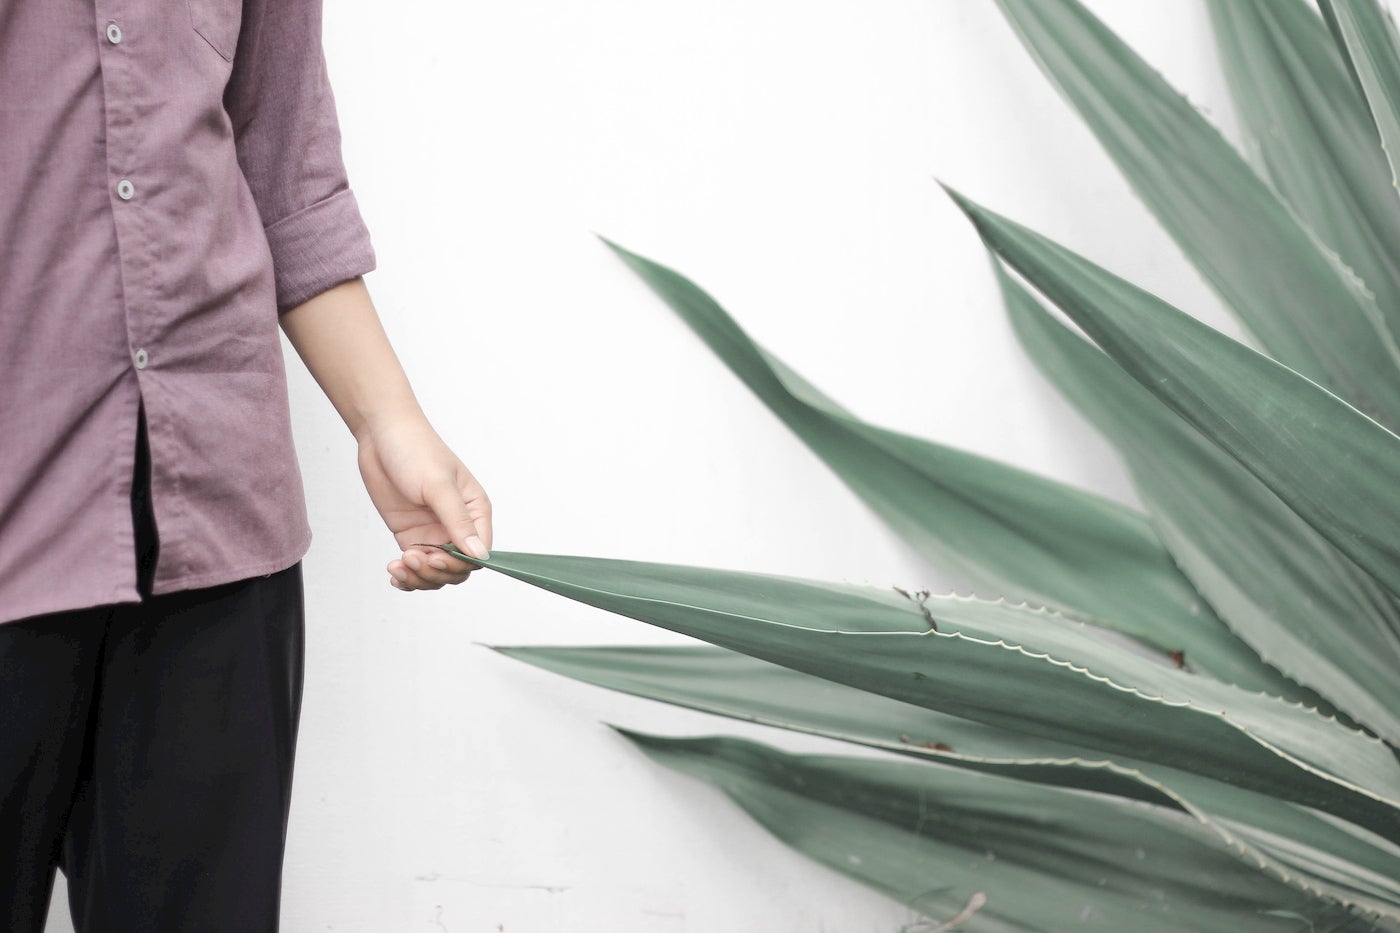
[(118, 41)]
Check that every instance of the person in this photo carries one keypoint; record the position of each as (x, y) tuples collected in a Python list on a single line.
[(172, 190)]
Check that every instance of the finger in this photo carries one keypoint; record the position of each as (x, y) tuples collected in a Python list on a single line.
[(399, 574), (479, 507), (451, 565), (434, 570), (437, 567), (451, 511), (406, 578)]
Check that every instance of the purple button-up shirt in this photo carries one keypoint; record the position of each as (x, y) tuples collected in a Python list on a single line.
[(170, 180)]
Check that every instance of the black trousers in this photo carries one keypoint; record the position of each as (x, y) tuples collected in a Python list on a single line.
[(147, 748)]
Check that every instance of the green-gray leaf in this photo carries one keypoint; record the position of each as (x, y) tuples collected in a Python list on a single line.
[(1366, 35), (731, 684), (998, 854), (1327, 461), (1298, 845), (1016, 533), (1287, 591), (1313, 136), (1268, 268), (1003, 665)]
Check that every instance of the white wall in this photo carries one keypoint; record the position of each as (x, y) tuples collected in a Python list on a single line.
[(783, 155)]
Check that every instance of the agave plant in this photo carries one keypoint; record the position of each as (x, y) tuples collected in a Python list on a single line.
[(1185, 719)]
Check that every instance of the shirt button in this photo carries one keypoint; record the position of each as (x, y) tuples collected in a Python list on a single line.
[(125, 189), (141, 358), (114, 33)]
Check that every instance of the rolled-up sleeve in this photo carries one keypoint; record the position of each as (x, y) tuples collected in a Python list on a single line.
[(288, 141)]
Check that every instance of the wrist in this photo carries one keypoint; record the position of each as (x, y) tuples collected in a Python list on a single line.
[(369, 421)]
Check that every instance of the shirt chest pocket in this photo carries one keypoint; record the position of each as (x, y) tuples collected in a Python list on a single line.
[(218, 22)]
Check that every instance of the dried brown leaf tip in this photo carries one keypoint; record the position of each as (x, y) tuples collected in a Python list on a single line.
[(976, 902), (919, 597), (1178, 658), (936, 746)]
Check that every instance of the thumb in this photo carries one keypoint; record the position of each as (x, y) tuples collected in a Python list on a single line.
[(449, 508)]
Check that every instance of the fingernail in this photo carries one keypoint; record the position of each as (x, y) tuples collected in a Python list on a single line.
[(476, 548), (412, 562), (436, 563)]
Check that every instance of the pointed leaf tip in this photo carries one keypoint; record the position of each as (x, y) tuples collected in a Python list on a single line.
[(964, 203), (973, 211), (614, 246), (643, 740)]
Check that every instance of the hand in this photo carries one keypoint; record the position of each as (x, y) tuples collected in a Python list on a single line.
[(425, 496)]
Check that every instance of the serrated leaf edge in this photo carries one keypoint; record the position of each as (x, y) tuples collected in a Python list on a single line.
[(1039, 656), (1235, 845)]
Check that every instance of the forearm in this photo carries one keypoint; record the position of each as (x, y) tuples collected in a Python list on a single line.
[(339, 337), (424, 493)]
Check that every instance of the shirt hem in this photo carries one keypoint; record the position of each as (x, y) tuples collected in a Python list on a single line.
[(231, 575)]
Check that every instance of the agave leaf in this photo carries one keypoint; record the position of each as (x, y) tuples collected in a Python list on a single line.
[(1298, 845), (726, 683), (992, 853), (1330, 463), (1366, 35), (1299, 602), (1267, 267), (1333, 857), (1002, 665), (1313, 135), (1011, 531)]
